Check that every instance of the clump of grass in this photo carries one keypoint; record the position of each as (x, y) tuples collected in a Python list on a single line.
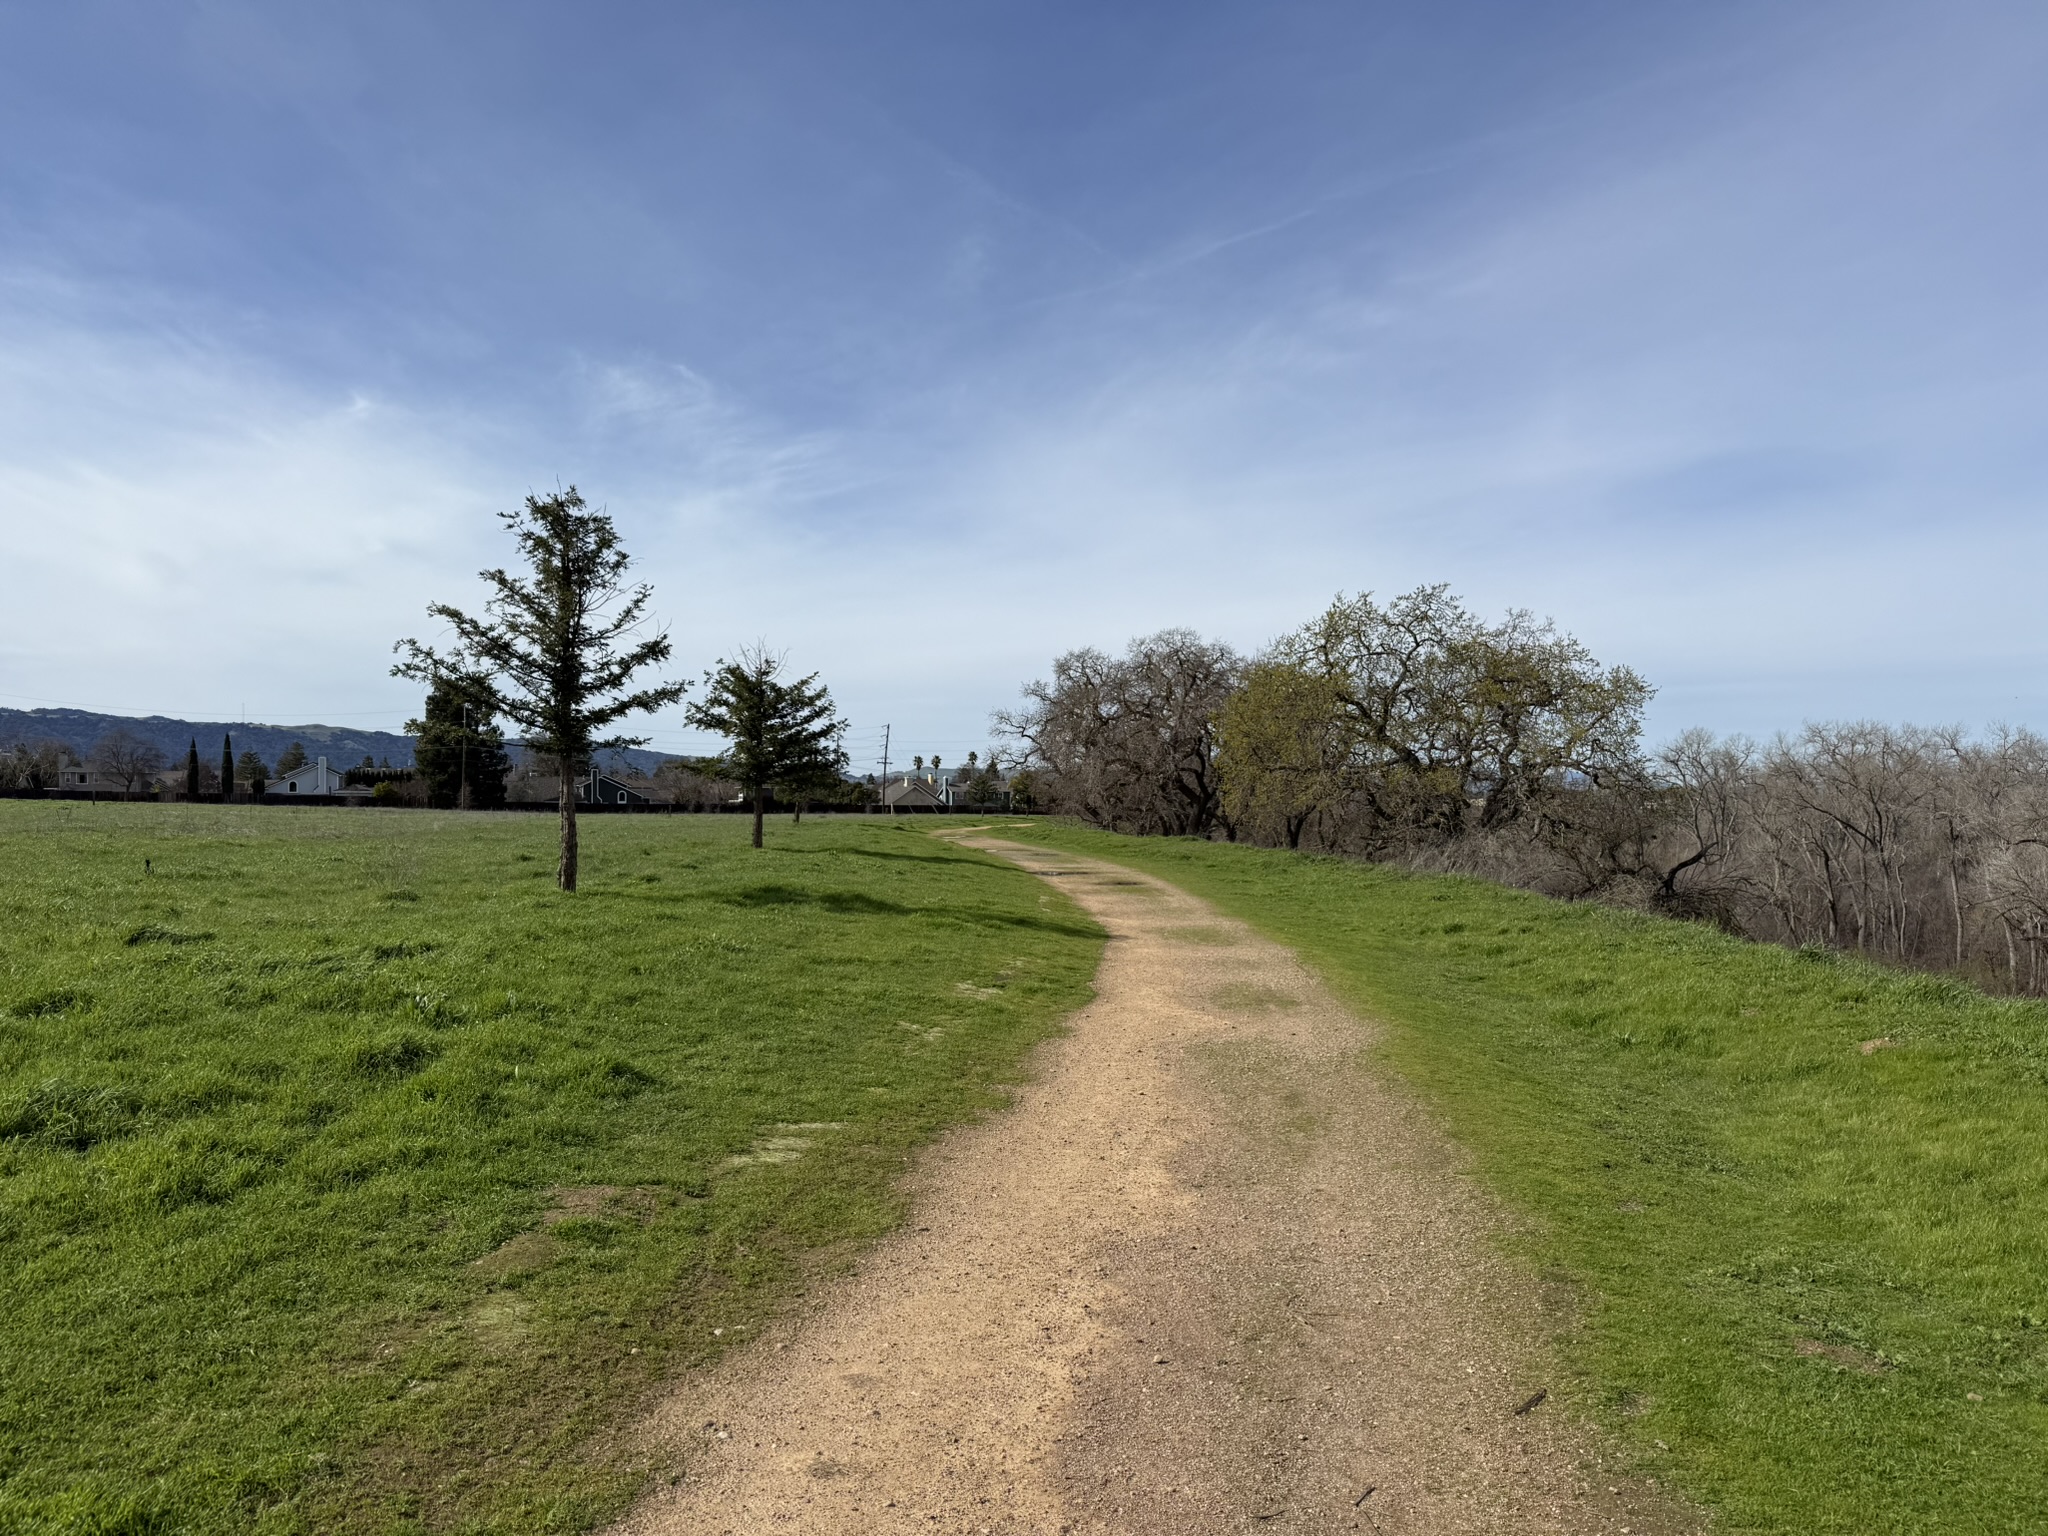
[(395, 1056), (152, 933), (1798, 1196), (266, 1117), (66, 1116), (57, 1000)]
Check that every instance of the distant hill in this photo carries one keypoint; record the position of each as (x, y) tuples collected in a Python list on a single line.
[(78, 729), (344, 746)]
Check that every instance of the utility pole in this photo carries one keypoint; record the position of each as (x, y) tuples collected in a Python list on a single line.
[(885, 772)]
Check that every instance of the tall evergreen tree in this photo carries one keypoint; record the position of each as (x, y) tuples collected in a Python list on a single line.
[(555, 652), (192, 770), (780, 733), (227, 768), (459, 744), (294, 758)]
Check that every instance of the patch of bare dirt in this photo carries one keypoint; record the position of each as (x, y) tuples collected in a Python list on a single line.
[(1847, 1356), (526, 1251), (784, 1143), (1210, 1273)]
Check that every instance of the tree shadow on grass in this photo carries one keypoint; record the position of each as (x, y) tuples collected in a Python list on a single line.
[(857, 903), (774, 895), (907, 858)]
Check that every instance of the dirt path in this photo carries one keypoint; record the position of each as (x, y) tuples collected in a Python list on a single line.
[(1209, 1274)]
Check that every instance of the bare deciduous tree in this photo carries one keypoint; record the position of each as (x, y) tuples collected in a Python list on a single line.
[(125, 757), (32, 765), (1130, 742), (697, 785)]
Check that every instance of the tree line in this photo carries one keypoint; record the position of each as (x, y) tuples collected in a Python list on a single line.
[(1415, 732)]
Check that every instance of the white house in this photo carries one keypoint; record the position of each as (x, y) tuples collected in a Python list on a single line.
[(314, 778)]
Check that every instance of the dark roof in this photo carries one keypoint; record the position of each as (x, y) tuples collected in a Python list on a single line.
[(609, 791)]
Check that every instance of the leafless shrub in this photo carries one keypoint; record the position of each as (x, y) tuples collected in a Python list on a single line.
[(680, 782)]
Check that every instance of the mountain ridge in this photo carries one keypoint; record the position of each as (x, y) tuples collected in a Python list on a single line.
[(343, 746)]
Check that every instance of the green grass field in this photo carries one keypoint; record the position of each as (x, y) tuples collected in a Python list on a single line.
[(1812, 1282), (353, 1179)]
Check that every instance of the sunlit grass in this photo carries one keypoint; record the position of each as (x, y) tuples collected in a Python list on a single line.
[(1803, 1201), (352, 1178)]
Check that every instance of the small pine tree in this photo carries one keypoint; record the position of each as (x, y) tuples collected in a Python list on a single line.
[(192, 770), (780, 733), (557, 651), (227, 767), (294, 759), (252, 771)]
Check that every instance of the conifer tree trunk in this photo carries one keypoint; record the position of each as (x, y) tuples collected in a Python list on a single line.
[(759, 791), (565, 872)]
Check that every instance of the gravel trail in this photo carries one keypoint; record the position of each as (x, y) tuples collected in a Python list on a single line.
[(1210, 1273)]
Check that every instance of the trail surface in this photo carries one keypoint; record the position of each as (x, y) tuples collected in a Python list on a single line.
[(1208, 1274)]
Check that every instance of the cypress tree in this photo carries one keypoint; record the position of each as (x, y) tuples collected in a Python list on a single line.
[(227, 768), (192, 770)]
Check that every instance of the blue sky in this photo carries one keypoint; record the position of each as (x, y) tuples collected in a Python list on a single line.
[(926, 341)]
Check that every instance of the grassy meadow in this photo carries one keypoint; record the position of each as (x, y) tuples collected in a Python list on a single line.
[(1801, 1201), (354, 1179)]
